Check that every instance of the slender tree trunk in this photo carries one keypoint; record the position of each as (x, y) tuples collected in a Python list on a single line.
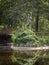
[(37, 21)]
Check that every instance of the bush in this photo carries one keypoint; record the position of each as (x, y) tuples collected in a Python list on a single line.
[(44, 40), (25, 38)]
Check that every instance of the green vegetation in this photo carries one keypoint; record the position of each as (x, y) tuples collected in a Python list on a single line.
[(44, 40), (20, 14), (25, 38), (24, 18)]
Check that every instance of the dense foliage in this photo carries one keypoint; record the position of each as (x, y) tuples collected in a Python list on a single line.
[(26, 17), (14, 14), (44, 40), (25, 38)]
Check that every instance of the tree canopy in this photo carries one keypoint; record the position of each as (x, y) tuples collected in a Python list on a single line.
[(14, 13)]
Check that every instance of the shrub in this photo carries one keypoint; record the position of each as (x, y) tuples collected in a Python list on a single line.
[(44, 40), (26, 37)]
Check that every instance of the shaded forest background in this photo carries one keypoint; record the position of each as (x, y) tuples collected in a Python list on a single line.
[(20, 15)]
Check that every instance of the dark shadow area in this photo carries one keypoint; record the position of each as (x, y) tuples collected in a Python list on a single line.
[(5, 40), (42, 61)]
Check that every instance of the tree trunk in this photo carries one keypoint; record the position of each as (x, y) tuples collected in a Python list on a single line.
[(37, 20)]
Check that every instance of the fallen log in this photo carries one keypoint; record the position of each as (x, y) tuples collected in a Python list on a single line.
[(30, 48), (13, 48)]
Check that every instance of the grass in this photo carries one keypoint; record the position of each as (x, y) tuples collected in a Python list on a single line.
[(44, 40)]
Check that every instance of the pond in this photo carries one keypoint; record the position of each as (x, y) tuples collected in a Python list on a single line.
[(25, 58)]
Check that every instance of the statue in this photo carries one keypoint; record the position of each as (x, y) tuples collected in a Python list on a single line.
[(29, 20)]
